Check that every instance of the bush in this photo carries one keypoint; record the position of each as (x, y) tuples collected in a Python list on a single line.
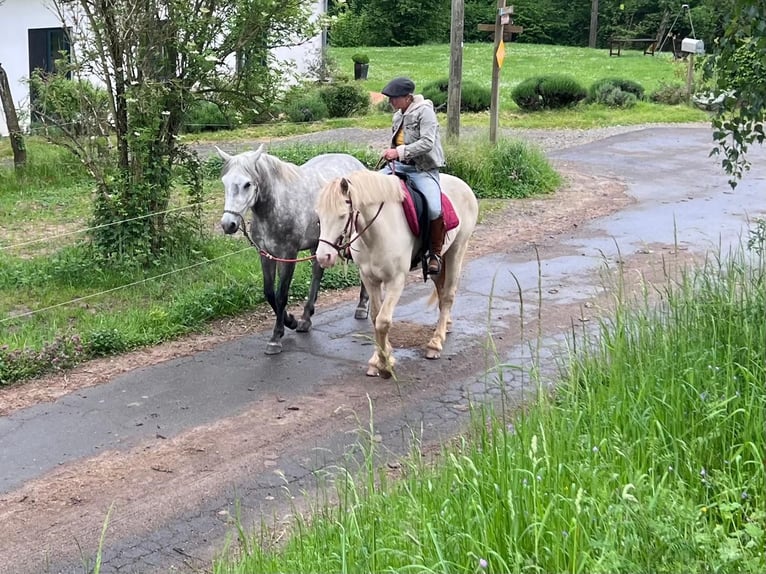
[(548, 92), (473, 98), (205, 117), (360, 58), (345, 99), (669, 94), (74, 105), (511, 168), (612, 96), (306, 106), (621, 84)]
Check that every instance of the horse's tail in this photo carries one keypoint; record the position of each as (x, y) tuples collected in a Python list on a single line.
[(438, 284)]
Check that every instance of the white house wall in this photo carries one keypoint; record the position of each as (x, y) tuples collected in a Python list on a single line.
[(16, 18)]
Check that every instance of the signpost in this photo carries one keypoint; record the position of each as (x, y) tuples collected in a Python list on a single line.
[(502, 19)]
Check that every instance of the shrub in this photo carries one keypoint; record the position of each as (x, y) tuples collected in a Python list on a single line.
[(205, 117), (473, 98), (360, 58), (306, 106), (75, 105), (548, 92), (512, 168), (623, 85), (612, 96), (344, 99), (669, 94)]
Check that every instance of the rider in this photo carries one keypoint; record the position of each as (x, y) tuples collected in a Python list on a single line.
[(416, 150)]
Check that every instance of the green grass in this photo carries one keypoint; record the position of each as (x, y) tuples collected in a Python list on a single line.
[(648, 458)]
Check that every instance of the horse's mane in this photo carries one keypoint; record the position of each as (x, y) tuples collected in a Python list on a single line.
[(365, 187), (262, 167)]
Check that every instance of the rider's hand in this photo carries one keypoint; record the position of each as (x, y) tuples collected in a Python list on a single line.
[(390, 154)]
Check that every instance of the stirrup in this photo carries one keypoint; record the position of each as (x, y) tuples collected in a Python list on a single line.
[(434, 265)]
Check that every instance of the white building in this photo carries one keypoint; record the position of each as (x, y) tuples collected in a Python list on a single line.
[(32, 35)]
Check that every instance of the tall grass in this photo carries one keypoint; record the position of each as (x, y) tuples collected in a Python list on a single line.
[(648, 458)]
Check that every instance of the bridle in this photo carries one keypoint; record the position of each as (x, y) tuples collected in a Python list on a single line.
[(343, 244), (243, 227)]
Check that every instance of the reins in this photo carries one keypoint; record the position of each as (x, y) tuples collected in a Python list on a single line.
[(353, 214), (261, 251)]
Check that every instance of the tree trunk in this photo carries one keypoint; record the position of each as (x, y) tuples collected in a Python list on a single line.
[(12, 121)]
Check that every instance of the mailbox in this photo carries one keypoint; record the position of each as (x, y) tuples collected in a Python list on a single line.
[(692, 46)]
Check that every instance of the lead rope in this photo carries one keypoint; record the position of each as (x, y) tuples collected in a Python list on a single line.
[(261, 251)]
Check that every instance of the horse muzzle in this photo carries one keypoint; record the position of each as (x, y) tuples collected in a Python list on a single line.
[(327, 259)]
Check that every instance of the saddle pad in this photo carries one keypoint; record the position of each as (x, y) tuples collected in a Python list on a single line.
[(451, 219)]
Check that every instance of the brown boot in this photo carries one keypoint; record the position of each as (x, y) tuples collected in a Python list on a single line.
[(437, 242)]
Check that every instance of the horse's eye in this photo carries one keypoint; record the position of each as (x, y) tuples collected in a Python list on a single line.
[(246, 186)]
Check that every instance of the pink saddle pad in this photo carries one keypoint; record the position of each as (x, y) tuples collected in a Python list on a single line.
[(451, 219)]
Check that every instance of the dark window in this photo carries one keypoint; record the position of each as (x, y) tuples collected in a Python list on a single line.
[(46, 45)]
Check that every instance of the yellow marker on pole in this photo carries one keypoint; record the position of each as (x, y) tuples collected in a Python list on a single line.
[(500, 54)]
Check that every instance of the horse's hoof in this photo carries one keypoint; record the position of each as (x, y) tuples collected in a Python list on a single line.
[(273, 348), (361, 313), (291, 323), (372, 372), (303, 326), (433, 354)]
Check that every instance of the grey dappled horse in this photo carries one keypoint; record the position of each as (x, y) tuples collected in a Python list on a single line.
[(362, 214), (281, 197)]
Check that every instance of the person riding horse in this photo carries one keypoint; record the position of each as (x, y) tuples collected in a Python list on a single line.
[(416, 151)]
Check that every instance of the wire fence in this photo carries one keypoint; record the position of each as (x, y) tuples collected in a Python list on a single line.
[(208, 261)]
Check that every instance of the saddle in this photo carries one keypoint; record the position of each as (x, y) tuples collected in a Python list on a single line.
[(416, 214)]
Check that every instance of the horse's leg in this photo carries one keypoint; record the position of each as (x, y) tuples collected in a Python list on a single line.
[(308, 309), (446, 287), (363, 307), (286, 271), (269, 271), (385, 360), (374, 289)]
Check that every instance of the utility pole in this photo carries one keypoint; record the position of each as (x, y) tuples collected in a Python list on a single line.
[(593, 24), (455, 70)]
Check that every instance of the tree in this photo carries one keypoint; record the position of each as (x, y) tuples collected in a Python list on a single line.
[(738, 69), (154, 59)]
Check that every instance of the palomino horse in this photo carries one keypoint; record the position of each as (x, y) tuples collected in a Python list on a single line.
[(281, 198), (362, 213)]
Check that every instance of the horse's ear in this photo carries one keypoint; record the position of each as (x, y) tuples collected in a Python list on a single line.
[(223, 154), (344, 186), (257, 153)]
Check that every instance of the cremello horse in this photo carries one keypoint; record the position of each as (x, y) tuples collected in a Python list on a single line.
[(280, 197), (362, 213)]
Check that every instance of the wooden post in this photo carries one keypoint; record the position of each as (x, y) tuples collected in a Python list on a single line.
[(12, 121), (593, 36), (690, 78), (455, 70), (500, 17)]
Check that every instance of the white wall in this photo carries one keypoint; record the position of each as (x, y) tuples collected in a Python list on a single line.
[(16, 18)]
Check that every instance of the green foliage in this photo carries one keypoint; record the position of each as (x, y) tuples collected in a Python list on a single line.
[(306, 105), (509, 169), (360, 58), (73, 106), (25, 363), (622, 84), (669, 94), (548, 92), (344, 99), (473, 97), (205, 116)]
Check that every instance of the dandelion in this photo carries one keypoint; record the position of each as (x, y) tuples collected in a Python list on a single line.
[(595, 449), (482, 563)]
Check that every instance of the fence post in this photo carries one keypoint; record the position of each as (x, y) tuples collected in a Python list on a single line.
[(12, 121)]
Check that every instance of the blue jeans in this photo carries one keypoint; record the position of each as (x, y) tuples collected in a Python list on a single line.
[(426, 181)]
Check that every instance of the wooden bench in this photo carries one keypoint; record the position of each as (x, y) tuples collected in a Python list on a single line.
[(616, 44)]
